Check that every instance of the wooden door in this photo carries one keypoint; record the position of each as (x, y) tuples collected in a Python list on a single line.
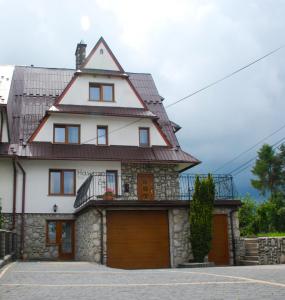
[(65, 239), (137, 239), (219, 253), (145, 187)]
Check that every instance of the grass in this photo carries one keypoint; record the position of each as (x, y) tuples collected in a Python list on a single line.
[(271, 234)]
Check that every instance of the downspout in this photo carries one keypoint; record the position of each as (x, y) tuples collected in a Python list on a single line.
[(233, 236), (101, 235), (1, 125), (23, 208), (14, 193)]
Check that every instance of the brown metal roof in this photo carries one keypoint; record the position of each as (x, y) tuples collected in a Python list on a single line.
[(33, 92), (43, 150), (103, 110)]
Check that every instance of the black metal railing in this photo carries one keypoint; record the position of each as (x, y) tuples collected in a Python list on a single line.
[(7, 243), (100, 186)]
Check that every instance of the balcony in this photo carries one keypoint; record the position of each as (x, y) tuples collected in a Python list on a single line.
[(166, 187)]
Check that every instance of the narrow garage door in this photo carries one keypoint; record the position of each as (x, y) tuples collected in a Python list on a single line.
[(219, 253), (137, 239)]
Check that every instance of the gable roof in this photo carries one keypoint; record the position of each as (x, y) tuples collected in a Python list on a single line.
[(95, 48), (35, 90)]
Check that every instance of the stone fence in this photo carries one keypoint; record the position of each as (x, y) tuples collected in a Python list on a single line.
[(270, 250)]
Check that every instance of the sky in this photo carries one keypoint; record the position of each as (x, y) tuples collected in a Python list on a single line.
[(185, 45)]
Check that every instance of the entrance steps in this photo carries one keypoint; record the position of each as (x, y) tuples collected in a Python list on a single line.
[(251, 257)]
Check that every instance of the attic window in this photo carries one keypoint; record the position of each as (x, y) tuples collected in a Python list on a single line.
[(101, 92), (101, 51)]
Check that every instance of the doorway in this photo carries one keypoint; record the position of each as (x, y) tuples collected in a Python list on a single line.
[(145, 186), (61, 233)]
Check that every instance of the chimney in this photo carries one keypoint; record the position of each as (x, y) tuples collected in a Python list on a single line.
[(80, 54)]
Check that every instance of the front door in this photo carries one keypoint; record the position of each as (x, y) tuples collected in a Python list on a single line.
[(219, 253), (145, 187), (65, 239)]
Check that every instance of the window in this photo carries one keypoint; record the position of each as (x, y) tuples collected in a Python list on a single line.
[(101, 92), (66, 134), (102, 135), (144, 139), (112, 181), (62, 182), (51, 232)]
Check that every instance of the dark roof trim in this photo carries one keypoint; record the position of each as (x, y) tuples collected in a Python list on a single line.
[(42, 123), (101, 40), (101, 72), (103, 110), (152, 204)]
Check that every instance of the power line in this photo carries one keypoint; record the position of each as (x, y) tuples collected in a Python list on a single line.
[(247, 150), (227, 76), (247, 164), (112, 131), (198, 91)]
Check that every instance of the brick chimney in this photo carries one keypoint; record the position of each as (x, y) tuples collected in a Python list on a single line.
[(80, 54)]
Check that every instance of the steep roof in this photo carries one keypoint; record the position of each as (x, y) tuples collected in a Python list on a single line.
[(34, 91)]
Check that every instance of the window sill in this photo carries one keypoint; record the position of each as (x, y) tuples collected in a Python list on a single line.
[(61, 195), (101, 101)]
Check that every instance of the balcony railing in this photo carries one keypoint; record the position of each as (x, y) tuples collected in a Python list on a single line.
[(166, 187)]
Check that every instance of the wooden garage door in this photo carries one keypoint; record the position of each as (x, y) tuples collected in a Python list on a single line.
[(137, 239), (219, 253)]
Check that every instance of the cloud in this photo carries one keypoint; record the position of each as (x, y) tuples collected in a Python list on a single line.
[(185, 44), (85, 23)]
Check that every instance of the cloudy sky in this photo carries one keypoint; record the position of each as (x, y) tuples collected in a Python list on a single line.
[(186, 45)]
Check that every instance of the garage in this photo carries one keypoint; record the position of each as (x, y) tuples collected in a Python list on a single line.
[(219, 253), (138, 239)]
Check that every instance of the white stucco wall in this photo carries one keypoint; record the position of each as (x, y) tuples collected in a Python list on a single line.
[(125, 136), (4, 129), (37, 183), (102, 60), (78, 94), (6, 184)]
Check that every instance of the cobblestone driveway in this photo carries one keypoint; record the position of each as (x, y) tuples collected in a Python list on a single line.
[(82, 280)]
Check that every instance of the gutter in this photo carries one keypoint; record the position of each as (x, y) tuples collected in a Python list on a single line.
[(14, 193), (1, 125), (23, 208), (233, 236)]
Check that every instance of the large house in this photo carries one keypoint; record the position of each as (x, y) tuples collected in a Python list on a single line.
[(90, 167)]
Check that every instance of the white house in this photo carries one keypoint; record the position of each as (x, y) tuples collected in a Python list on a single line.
[(90, 164)]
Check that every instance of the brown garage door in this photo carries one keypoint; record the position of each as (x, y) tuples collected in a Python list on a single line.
[(137, 239), (219, 253)]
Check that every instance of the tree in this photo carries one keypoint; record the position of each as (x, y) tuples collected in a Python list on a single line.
[(268, 171), (247, 216), (201, 217)]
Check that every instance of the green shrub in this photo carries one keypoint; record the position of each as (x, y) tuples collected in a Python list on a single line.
[(201, 216)]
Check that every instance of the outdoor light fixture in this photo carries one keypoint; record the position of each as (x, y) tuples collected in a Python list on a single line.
[(55, 208)]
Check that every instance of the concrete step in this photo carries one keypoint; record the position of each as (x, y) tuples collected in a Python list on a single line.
[(251, 253), (250, 241), (251, 246), (249, 262), (251, 257)]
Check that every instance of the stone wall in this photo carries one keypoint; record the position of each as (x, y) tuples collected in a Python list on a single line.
[(179, 231), (166, 180), (88, 236), (35, 246), (271, 250)]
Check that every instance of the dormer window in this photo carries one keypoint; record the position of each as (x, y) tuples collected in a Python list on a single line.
[(144, 139), (101, 92), (66, 134), (102, 135)]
